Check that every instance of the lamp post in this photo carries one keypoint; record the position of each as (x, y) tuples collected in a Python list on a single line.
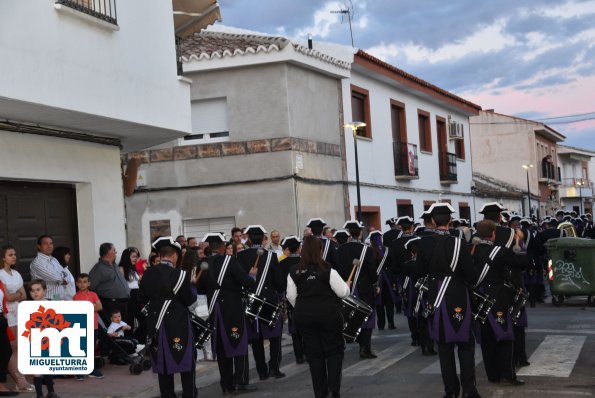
[(527, 167), (354, 126), (581, 183)]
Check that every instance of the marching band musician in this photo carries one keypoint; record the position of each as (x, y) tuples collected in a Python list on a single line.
[(224, 284), (292, 244), (497, 332), (393, 233), (403, 264), (314, 290), (329, 247), (428, 226), (341, 236), (269, 279), (447, 263), (387, 281), (169, 294), (364, 283)]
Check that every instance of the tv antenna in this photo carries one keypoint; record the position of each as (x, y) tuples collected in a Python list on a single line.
[(348, 10)]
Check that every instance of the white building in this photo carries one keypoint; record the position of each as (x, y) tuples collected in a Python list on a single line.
[(415, 148), (576, 189), (83, 81)]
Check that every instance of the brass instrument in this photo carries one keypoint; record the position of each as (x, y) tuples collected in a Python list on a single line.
[(568, 227)]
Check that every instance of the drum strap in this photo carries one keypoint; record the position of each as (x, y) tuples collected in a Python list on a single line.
[(486, 267), (327, 245), (263, 276), (511, 239), (219, 282), (359, 267), (379, 270), (446, 282), (166, 304), (406, 283)]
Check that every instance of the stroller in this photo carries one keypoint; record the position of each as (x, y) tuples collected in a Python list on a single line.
[(120, 354)]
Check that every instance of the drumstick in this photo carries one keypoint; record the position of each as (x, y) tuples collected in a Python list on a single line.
[(356, 262), (203, 266)]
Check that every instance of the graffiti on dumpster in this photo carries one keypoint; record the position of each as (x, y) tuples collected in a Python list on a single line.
[(569, 273)]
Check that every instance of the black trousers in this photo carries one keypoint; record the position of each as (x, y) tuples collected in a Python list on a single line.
[(497, 356), (365, 340), (384, 312), (424, 332), (135, 306), (259, 358), (298, 345), (166, 385), (414, 329), (448, 368), (519, 352), (233, 371), (323, 346), (5, 350), (110, 305)]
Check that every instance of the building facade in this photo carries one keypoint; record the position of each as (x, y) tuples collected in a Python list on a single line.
[(576, 186), (85, 81)]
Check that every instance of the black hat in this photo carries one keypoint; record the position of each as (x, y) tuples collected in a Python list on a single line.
[(255, 229), (514, 217), (391, 221), (404, 220), (213, 237), (492, 207), (341, 233), (440, 208), (351, 224), (373, 233), (560, 213), (426, 215), (316, 222), (290, 241), (463, 222), (167, 241)]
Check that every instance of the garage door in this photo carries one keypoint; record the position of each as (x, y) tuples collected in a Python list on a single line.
[(28, 210), (200, 227)]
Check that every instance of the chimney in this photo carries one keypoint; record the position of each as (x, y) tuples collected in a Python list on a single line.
[(309, 41)]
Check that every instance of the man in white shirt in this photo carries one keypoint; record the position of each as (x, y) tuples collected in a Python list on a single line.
[(275, 245), (48, 269)]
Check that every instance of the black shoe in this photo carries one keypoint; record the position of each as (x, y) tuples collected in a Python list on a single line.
[(428, 352), (471, 395), (523, 363), (367, 355), (276, 374), (244, 389), (380, 328), (227, 392), (299, 360), (263, 377), (450, 396), (8, 393), (514, 382), (392, 327), (494, 381), (414, 343)]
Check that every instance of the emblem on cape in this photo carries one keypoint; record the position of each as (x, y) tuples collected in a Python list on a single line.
[(234, 332), (458, 314), (177, 346), (499, 318)]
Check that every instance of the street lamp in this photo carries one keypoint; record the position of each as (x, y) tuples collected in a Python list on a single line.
[(527, 167), (581, 183), (354, 126)]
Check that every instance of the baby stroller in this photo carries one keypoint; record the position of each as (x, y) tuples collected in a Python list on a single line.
[(121, 354)]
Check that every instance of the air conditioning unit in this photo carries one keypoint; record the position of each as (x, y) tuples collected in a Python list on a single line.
[(455, 131)]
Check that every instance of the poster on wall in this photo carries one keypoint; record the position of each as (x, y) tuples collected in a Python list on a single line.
[(411, 158)]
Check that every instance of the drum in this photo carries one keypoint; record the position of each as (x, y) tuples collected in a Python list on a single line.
[(201, 330), (482, 304), (518, 302), (355, 313), (260, 308), (421, 285)]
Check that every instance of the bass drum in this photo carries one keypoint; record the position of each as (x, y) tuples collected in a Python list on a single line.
[(355, 313)]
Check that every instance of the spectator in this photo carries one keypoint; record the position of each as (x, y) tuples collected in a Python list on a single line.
[(229, 249), (236, 237), (109, 283), (154, 259), (181, 239), (239, 247), (48, 269), (15, 293), (327, 232), (63, 255), (128, 261), (5, 339), (307, 232), (275, 244), (192, 243)]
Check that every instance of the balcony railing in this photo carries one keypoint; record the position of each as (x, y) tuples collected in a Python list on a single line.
[(405, 160), (448, 167), (100, 9), (179, 62), (549, 173)]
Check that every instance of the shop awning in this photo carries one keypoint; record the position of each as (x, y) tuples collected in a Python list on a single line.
[(192, 16)]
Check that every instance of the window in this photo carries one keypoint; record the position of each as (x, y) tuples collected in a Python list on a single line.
[(427, 204), (104, 10), (198, 228), (209, 122), (460, 145), (360, 110), (404, 208), (397, 115), (464, 211), (370, 217), (425, 134)]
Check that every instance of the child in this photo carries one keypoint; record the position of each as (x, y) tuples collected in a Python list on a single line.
[(37, 289), (84, 294), (116, 331)]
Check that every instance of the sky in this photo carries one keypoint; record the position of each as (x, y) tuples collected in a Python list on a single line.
[(527, 58)]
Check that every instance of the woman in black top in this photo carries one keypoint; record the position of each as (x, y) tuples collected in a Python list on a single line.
[(315, 290)]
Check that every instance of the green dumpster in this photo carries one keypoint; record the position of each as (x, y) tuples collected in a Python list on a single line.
[(571, 267)]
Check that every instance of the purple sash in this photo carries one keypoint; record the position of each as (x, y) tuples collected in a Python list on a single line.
[(501, 332), (230, 351), (164, 362), (442, 317)]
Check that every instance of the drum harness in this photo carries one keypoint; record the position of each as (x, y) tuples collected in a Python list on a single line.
[(446, 281), (359, 267), (219, 281)]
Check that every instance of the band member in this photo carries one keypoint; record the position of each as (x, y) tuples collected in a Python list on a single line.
[(387, 282), (341, 236), (223, 286), (497, 332), (269, 285), (292, 245), (448, 265), (329, 248), (393, 233), (428, 226), (403, 252), (169, 295), (313, 289), (365, 281)]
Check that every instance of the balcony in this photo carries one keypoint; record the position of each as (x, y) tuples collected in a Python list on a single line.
[(570, 188), (549, 174), (104, 10), (448, 168), (405, 161)]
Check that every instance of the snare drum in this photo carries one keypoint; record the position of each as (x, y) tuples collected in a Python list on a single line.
[(201, 330), (518, 302), (355, 313), (260, 308), (482, 305)]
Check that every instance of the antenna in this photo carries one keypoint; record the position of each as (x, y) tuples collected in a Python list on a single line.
[(349, 11)]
